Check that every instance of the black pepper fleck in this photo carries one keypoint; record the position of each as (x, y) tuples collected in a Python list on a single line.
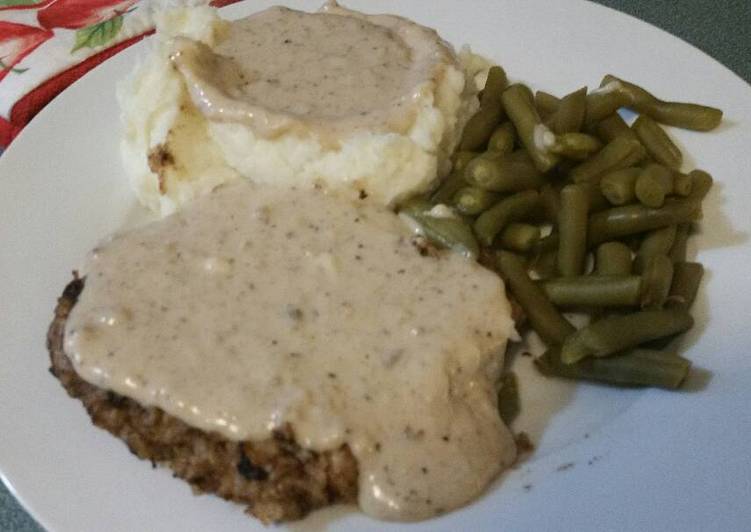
[(249, 470)]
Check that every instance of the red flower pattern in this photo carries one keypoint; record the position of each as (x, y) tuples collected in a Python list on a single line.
[(77, 14), (19, 40), (32, 5), (16, 42)]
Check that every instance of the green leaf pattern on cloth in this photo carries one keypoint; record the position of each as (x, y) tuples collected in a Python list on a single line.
[(98, 34), (13, 3), (3, 66)]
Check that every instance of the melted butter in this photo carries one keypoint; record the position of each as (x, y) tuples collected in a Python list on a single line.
[(331, 72), (257, 307)]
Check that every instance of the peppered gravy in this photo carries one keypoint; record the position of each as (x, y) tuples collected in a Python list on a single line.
[(332, 72), (259, 307)]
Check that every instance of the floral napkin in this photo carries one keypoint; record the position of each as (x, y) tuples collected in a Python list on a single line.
[(45, 45)]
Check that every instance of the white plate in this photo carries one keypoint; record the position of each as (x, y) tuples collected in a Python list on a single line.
[(607, 459)]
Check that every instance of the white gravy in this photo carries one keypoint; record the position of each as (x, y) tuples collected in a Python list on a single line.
[(331, 72), (257, 307)]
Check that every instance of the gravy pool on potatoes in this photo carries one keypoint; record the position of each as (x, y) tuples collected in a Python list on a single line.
[(332, 72), (259, 306)]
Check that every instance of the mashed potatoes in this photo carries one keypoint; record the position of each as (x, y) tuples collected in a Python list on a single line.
[(203, 109)]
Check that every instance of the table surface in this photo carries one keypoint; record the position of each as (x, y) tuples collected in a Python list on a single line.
[(721, 28)]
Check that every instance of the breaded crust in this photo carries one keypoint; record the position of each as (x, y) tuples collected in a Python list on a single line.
[(276, 478)]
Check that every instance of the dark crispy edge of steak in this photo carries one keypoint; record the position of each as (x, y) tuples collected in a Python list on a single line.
[(275, 478)]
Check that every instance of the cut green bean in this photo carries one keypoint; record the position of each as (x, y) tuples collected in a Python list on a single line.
[(572, 230), (544, 318), (614, 126), (521, 111), (656, 280), (546, 103), (448, 231), (508, 398), (603, 102), (621, 152), (618, 186), (511, 209), (519, 237), (570, 114), (461, 160), (594, 291), (678, 114), (503, 138), (511, 173), (446, 190), (628, 220), (701, 183), (682, 184), (478, 129), (657, 142), (472, 200), (686, 281), (618, 333), (638, 367), (577, 146), (613, 258), (654, 183), (657, 242), (678, 250)]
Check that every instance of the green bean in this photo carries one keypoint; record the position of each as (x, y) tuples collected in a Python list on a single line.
[(657, 142), (546, 103), (569, 117), (678, 114), (653, 184), (594, 291), (603, 102), (656, 280), (686, 281), (614, 126), (472, 200), (519, 237), (618, 186), (550, 201), (508, 398), (511, 209), (446, 190), (503, 138), (511, 173), (618, 333), (478, 129), (577, 146), (638, 367), (632, 219), (544, 318), (701, 183), (613, 258), (678, 250), (572, 229), (461, 160), (495, 84), (450, 232), (657, 242), (521, 110), (621, 152), (595, 199), (682, 184)]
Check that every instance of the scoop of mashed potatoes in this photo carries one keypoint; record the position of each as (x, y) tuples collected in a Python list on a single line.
[(202, 110)]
